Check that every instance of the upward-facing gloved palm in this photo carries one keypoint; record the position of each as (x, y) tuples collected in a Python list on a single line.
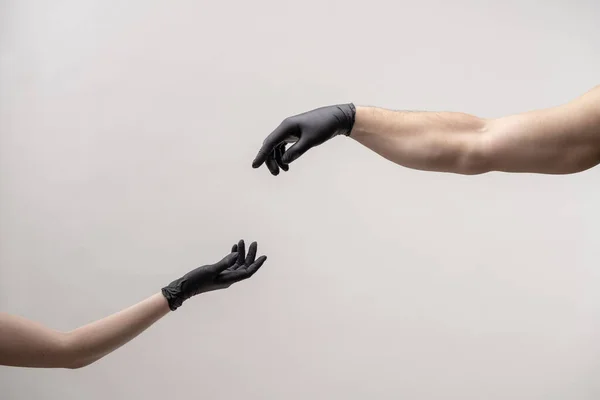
[(233, 268), (306, 130)]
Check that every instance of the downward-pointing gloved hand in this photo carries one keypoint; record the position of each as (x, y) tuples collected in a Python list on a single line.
[(306, 130), (235, 267)]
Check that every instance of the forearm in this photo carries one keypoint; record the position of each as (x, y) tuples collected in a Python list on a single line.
[(428, 141), (28, 344), (97, 339), (557, 140)]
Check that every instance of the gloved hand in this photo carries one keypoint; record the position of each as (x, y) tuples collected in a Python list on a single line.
[(307, 130), (233, 268)]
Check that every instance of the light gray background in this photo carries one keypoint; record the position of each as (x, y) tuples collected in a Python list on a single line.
[(127, 130)]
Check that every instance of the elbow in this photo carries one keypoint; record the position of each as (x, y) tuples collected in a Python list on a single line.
[(471, 153), (473, 166), (75, 366), (476, 160), (73, 355), (81, 362), (483, 159), (466, 159), (78, 363)]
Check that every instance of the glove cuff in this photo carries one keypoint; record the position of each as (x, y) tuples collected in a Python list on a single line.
[(173, 296), (349, 111)]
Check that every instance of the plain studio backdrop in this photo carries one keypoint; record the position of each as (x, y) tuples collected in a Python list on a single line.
[(127, 132)]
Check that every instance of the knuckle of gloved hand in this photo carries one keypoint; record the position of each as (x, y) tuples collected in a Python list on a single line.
[(292, 123)]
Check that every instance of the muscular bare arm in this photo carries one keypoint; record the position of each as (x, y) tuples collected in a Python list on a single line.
[(559, 140)]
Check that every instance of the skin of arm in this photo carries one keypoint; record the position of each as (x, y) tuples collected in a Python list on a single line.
[(24, 343), (559, 140)]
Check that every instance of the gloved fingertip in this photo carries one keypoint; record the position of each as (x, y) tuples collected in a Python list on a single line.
[(258, 160)]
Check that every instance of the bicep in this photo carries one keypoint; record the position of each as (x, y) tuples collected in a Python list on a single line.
[(24, 343), (559, 140)]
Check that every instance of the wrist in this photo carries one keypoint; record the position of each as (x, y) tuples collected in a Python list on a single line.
[(161, 302), (172, 296), (361, 121), (349, 111)]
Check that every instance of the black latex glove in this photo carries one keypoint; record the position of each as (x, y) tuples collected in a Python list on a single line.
[(307, 130), (233, 268)]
